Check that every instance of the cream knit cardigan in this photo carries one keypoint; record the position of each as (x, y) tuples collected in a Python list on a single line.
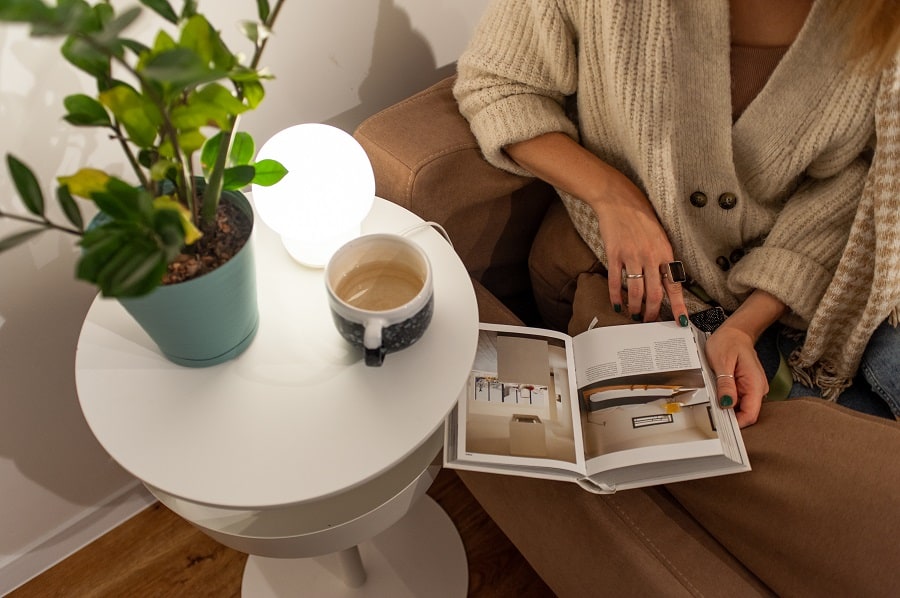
[(816, 217)]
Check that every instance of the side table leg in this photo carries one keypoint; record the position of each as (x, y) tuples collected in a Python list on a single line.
[(420, 555), (354, 574)]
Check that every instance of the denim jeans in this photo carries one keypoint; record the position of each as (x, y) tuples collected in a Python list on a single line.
[(876, 388)]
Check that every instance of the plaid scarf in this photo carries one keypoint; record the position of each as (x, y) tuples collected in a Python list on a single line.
[(865, 289)]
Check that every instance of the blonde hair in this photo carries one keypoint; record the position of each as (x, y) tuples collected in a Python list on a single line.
[(872, 28)]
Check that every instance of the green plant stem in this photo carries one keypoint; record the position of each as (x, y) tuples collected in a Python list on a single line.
[(214, 184), (43, 222), (135, 166), (184, 188), (262, 45)]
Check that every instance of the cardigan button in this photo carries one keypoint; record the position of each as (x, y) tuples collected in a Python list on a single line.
[(727, 200), (698, 199), (723, 263)]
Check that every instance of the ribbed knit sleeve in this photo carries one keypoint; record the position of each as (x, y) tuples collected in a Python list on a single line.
[(798, 259), (515, 75)]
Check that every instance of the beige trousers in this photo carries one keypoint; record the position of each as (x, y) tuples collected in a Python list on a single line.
[(819, 515)]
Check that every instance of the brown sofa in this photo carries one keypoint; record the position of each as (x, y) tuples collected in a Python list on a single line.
[(820, 513)]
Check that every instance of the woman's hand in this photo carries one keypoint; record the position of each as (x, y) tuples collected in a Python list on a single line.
[(634, 240), (731, 352), (741, 382), (635, 244)]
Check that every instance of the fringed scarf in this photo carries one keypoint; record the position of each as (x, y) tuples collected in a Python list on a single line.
[(865, 289)]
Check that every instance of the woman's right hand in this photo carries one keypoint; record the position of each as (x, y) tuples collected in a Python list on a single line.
[(635, 243), (632, 235)]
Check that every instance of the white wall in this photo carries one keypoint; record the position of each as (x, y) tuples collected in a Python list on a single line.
[(336, 61)]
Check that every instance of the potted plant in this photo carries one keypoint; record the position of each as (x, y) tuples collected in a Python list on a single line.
[(181, 225)]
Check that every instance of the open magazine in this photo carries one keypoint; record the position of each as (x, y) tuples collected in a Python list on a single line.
[(612, 408)]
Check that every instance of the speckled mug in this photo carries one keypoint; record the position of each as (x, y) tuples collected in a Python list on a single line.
[(380, 293)]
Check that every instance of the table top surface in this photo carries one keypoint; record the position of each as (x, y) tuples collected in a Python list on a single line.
[(298, 416)]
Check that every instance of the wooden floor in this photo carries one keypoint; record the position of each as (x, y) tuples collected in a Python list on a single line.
[(157, 554)]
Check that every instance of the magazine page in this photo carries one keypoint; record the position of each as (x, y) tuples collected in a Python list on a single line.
[(519, 408), (644, 397)]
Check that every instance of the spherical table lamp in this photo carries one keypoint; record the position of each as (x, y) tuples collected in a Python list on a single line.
[(328, 191)]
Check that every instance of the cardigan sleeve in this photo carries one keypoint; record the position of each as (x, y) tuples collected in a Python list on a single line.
[(515, 75), (800, 254)]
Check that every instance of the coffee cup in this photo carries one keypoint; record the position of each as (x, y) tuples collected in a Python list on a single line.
[(380, 293)]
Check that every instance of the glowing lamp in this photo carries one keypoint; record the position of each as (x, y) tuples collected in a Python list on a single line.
[(328, 191)]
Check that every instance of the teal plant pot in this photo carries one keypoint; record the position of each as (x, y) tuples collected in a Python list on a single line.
[(206, 320)]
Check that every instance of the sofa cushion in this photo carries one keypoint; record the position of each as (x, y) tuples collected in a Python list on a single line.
[(558, 256), (426, 159)]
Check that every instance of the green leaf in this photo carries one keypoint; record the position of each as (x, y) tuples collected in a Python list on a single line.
[(108, 36), (159, 170), (163, 42), (162, 8), (19, 238), (255, 32), (68, 17), (104, 13), (86, 58), (27, 185), (132, 251), (199, 36), (69, 207), (24, 11), (240, 74), (170, 231), (137, 114), (210, 152), (146, 157), (189, 9), (253, 93), (198, 113), (179, 68), (215, 93), (190, 141), (269, 172), (242, 149), (120, 201), (99, 245), (86, 111), (262, 7), (128, 255), (237, 177), (135, 46), (141, 277), (135, 270)]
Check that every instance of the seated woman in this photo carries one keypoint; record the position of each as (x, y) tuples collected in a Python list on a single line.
[(734, 139)]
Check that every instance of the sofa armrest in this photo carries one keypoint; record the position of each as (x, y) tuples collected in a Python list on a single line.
[(426, 159)]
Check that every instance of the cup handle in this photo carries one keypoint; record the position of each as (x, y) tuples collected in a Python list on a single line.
[(375, 357), (375, 351)]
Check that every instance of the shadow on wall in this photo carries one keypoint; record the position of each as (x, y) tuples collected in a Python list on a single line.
[(402, 64), (43, 434)]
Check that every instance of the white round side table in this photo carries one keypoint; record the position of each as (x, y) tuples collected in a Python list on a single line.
[(296, 449)]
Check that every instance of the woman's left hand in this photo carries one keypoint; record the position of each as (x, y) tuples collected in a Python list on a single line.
[(741, 381)]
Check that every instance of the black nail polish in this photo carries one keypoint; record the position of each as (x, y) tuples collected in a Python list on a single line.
[(617, 307), (636, 317), (683, 320)]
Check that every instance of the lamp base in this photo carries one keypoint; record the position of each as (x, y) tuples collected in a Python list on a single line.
[(420, 555), (315, 254)]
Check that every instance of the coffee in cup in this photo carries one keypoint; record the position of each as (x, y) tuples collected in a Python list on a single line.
[(380, 293)]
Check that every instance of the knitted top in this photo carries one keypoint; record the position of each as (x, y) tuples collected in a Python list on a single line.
[(766, 202)]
